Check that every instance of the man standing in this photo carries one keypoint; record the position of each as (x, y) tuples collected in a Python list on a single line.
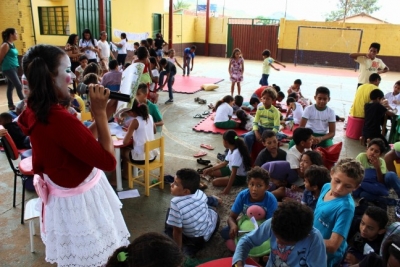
[(105, 52)]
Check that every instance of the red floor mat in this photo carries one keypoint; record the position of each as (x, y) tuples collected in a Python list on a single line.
[(191, 84), (207, 126)]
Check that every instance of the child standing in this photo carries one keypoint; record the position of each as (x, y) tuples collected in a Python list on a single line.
[(189, 219), (267, 64), (188, 55), (294, 241), (237, 163), (393, 98), (271, 152), (170, 72), (369, 63), (374, 115), (83, 61), (267, 117), (236, 69), (171, 58), (335, 208), (224, 112), (320, 118), (315, 177), (255, 194)]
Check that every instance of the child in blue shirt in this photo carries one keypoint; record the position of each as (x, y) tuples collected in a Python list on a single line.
[(188, 55), (256, 194), (294, 241), (335, 208)]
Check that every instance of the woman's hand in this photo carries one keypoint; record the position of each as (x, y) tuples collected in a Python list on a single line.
[(98, 98)]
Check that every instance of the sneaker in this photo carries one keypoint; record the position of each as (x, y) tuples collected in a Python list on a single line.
[(170, 101)]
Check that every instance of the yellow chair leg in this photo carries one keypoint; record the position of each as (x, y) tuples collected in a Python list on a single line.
[(161, 177), (147, 183), (130, 177)]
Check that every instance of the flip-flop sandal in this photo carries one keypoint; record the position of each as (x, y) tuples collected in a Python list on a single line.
[(206, 112), (203, 161), (199, 154), (211, 106), (209, 147), (202, 101), (206, 177), (203, 186), (200, 171), (198, 116), (196, 99)]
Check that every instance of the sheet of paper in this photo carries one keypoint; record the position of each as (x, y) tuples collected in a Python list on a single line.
[(128, 194)]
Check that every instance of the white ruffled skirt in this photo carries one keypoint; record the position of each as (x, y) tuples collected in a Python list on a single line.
[(85, 229)]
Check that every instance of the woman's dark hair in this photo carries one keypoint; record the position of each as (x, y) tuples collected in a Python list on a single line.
[(314, 156), (391, 247), (123, 36), (140, 109), (6, 34), (227, 99), (91, 36), (40, 65), (92, 68), (140, 253), (232, 138), (142, 52), (71, 39)]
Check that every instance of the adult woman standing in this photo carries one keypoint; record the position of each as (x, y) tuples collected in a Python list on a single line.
[(9, 65), (72, 49), (88, 45), (121, 49), (81, 219)]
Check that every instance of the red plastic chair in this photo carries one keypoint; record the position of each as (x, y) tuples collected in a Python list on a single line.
[(24, 170)]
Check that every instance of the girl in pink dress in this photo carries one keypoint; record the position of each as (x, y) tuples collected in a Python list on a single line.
[(236, 69)]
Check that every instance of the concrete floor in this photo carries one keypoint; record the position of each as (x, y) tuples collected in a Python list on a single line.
[(145, 214)]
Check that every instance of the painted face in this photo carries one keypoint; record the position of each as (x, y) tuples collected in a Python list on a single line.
[(257, 188), (142, 98), (305, 163), (321, 100), (308, 143), (266, 100), (373, 152), (372, 52), (177, 187), (369, 228), (271, 144), (63, 78), (341, 184), (396, 89)]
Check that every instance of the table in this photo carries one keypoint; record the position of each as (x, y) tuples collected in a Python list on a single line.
[(226, 262)]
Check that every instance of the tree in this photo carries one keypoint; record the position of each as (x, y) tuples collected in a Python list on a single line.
[(180, 4), (348, 8)]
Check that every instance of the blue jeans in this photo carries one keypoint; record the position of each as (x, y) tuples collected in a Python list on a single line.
[(186, 65), (170, 81), (264, 79), (159, 52), (250, 137), (13, 81)]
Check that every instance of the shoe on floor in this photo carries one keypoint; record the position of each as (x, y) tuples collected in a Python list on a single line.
[(169, 101)]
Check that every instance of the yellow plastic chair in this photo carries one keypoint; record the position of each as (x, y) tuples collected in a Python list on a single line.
[(144, 177), (86, 116), (397, 166)]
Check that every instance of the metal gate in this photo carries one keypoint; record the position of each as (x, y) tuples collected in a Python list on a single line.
[(252, 36), (87, 17)]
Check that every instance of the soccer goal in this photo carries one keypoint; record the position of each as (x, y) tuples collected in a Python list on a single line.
[(327, 46)]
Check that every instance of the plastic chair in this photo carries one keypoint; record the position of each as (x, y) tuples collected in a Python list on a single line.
[(144, 177), (24, 169), (30, 215)]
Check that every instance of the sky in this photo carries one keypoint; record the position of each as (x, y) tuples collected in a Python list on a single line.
[(313, 10)]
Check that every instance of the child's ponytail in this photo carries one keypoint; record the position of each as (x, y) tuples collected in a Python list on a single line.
[(232, 138), (226, 99), (140, 109)]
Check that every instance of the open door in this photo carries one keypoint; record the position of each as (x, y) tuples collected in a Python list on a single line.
[(156, 24)]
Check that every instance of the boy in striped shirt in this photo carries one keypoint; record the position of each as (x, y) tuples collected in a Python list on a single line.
[(190, 221)]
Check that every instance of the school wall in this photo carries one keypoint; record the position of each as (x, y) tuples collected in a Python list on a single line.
[(190, 30), (134, 16), (58, 40), (335, 45)]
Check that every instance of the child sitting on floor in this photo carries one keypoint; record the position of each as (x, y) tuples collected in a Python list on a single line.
[(252, 105), (238, 102), (295, 111), (237, 163), (295, 88), (335, 208), (368, 237), (284, 191), (255, 194), (271, 152), (315, 177), (377, 179), (309, 158), (140, 253), (224, 112), (302, 137), (246, 120), (20, 140), (279, 98), (190, 221), (294, 241)]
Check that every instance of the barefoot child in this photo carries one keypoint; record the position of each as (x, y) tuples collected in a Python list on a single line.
[(237, 163), (236, 69)]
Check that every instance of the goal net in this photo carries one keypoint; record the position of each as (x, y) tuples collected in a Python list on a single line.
[(326, 46)]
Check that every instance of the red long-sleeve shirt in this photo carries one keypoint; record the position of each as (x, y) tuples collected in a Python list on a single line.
[(64, 149)]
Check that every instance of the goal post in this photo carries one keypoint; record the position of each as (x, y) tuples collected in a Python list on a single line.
[(327, 46)]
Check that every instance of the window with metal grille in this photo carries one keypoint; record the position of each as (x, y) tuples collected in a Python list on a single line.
[(54, 20)]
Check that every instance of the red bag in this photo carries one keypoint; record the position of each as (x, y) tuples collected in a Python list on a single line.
[(330, 155)]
